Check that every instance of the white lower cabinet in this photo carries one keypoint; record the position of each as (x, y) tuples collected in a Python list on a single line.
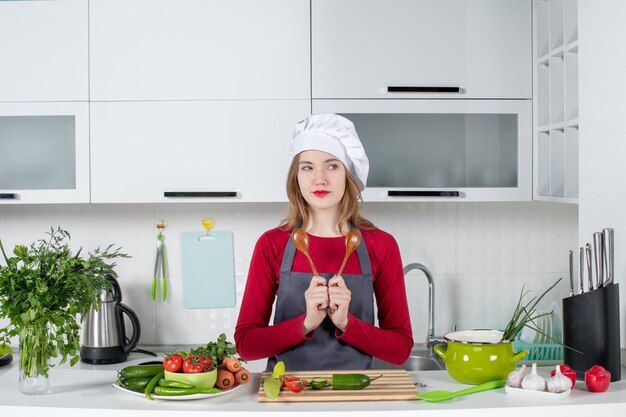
[(192, 151), (45, 152)]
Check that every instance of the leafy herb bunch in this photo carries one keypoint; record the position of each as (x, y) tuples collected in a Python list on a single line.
[(525, 314), (44, 289), (216, 350)]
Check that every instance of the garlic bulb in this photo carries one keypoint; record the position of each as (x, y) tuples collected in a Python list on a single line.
[(514, 380), (559, 382), (534, 381)]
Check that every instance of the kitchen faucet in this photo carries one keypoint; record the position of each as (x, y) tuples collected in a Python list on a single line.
[(431, 340)]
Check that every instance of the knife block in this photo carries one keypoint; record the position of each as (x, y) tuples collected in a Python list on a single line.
[(591, 325)]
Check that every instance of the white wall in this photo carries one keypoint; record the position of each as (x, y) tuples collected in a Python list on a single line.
[(479, 253), (602, 95)]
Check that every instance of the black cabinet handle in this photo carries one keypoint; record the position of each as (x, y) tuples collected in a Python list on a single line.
[(421, 89), (196, 194), (403, 193), (8, 196)]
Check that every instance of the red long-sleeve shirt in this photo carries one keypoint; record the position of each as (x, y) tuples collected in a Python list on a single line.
[(392, 341)]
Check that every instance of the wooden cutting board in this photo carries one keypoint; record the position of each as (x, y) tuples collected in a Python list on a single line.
[(395, 384)]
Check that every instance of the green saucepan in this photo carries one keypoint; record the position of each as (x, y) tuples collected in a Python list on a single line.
[(478, 356)]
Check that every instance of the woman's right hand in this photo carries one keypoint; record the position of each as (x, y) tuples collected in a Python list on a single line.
[(316, 298)]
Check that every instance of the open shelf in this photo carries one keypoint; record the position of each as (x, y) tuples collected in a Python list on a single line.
[(556, 100)]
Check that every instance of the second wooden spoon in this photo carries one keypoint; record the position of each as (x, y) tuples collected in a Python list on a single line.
[(353, 239)]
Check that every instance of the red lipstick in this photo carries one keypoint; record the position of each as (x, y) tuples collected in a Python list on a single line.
[(321, 193)]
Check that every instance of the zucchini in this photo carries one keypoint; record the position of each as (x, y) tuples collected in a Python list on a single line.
[(351, 381), (140, 371)]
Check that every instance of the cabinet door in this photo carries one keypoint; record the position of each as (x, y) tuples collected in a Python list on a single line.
[(43, 50), (205, 151), (443, 150), (45, 153), (199, 49), (360, 48)]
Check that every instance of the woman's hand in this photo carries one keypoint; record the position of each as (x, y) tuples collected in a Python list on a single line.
[(315, 296), (339, 298)]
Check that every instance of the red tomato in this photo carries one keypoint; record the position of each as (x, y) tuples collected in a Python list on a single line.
[(205, 361), (597, 379), (192, 365), (568, 372), (173, 362), (294, 384)]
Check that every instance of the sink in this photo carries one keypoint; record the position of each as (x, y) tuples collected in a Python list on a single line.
[(419, 360), (414, 363)]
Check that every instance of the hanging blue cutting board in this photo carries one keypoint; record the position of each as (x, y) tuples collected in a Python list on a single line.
[(208, 269)]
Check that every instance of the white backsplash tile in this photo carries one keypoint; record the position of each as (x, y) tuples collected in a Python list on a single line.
[(479, 254)]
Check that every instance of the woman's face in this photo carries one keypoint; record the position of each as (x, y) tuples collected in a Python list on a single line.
[(322, 179)]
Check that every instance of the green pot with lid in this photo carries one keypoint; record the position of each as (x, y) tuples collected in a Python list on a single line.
[(478, 356)]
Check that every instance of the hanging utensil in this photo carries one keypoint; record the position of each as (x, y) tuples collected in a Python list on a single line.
[(160, 263), (353, 240), (598, 246), (301, 241), (609, 249)]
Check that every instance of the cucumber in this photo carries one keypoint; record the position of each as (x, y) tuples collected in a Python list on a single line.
[(319, 383), (135, 384), (351, 381), (140, 371)]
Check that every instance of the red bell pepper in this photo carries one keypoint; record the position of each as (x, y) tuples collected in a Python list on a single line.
[(597, 379)]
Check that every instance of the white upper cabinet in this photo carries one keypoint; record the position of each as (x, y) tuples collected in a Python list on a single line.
[(192, 151), (43, 51), (421, 48), (45, 152), (199, 49)]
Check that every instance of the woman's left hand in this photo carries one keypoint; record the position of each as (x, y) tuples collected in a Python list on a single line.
[(339, 301)]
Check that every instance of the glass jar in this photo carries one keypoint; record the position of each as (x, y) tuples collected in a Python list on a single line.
[(34, 363)]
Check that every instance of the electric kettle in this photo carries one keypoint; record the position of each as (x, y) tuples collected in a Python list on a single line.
[(104, 338)]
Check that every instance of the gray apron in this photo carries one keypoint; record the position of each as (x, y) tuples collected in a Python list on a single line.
[(324, 350)]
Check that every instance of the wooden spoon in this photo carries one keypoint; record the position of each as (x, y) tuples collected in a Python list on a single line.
[(353, 239), (301, 240)]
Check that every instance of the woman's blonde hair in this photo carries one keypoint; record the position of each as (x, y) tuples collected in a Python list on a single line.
[(349, 206)]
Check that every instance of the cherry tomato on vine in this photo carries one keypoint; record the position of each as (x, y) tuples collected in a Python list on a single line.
[(192, 365), (173, 362)]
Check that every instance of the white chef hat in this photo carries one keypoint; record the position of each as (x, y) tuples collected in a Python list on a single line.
[(335, 135)]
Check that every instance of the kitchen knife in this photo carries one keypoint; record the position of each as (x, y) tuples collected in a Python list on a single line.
[(581, 270), (608, 235), (589, 267), (598, 247), (571, 273)]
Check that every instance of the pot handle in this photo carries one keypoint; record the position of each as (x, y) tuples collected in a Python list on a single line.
[(519, 355), (441, 350)]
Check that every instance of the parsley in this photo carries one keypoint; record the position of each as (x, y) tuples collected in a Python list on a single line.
[(44, 289), (216, 350)]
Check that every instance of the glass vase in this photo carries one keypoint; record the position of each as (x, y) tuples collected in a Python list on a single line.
[(34, 363)]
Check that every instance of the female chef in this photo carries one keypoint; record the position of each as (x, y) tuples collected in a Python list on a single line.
[(325, 321)]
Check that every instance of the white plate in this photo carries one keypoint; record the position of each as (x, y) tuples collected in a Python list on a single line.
[(178, 397), (543, 395)]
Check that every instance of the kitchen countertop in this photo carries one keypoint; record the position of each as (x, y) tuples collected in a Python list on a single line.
[(85, 388)]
